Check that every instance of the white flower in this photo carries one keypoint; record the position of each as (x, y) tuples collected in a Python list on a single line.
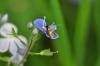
[(12, 44), (15, 45), (4, 18), (17, 58), (6, 29)]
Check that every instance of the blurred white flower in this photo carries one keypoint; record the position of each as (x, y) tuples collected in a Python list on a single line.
[(6, 29), (4, 18), (15, 45), (12, 44), (17, 58)]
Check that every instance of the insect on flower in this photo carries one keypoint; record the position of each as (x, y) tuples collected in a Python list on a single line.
[(48, 30)]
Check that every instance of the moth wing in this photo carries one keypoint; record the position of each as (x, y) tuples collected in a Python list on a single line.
[(40, 24)]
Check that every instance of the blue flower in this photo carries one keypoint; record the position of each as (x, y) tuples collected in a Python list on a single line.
[(48, 30)]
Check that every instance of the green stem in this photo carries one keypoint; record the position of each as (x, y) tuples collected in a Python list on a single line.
[(5, 59), (33, 53), (30, 45), (9, 63)]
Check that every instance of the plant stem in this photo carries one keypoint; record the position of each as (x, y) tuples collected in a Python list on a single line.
[(30, 45), (5, 59), (33, 53)]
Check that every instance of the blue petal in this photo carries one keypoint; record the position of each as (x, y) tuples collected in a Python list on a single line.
[(40, 24), (54, 36), (52, 27)]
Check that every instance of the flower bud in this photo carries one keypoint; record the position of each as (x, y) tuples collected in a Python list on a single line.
[(4, 18), (47, 52), (35, 31), (30, 25)]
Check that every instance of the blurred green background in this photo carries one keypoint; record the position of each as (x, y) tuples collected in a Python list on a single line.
[(78, 24)]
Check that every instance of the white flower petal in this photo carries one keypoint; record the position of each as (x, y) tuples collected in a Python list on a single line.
[(17, 58), (22, 38), (53, 27), (4, 18), (4, 45), (13, 47), (21, 46), (6, 29), (20, 43), (21, 51)]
